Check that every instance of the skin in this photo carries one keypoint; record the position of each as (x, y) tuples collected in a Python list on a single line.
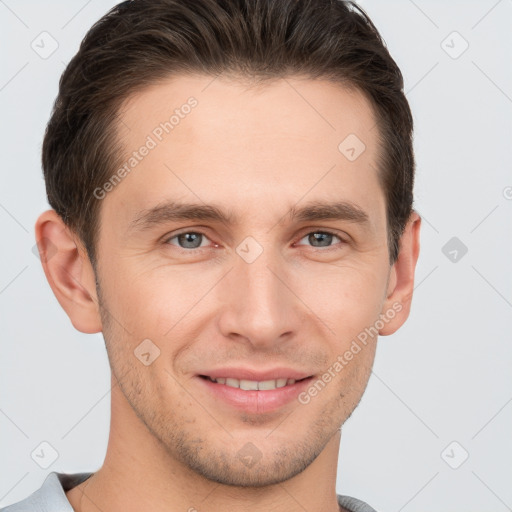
[(255, 151)]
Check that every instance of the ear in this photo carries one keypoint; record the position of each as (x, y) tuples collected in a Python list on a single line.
[(69, 272), (397, 305)]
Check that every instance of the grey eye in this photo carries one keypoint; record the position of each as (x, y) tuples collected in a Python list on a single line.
[(188, 240), (321, 238)]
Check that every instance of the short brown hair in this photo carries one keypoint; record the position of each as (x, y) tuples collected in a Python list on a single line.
[(139, 42)]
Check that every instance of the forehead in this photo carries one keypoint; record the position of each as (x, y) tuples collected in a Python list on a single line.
[(252, 147)]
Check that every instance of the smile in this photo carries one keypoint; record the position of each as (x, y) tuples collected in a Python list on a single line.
[(252, 385), (253, 396)]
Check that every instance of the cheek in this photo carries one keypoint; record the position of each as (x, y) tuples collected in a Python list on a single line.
[(345, 297), (166, 305), (137, 300)]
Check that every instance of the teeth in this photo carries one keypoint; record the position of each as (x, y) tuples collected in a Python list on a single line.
[(248, 385), (281, 383), (267, 385)]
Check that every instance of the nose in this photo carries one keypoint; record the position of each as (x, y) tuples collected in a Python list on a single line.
[(258, 303)]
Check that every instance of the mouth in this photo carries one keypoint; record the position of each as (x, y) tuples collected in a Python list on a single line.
[(253, 397), (253, 385)]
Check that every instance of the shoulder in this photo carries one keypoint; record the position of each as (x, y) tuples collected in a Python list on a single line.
[(353, 504), (51, 496)]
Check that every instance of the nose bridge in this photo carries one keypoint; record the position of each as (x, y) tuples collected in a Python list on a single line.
[(258, 305)]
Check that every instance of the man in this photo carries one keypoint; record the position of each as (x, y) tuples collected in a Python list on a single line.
[(231, 190)]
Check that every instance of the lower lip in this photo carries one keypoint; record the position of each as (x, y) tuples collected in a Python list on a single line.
[(252, 401)]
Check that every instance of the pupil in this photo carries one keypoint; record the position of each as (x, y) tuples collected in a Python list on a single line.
[(191, 240), (322, 238)]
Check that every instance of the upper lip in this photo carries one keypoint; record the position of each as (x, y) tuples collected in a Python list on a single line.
[(257, 375)]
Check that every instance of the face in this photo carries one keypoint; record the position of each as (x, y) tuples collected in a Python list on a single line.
[(276, 270)]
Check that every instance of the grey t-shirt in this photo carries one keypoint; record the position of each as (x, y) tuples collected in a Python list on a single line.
[(51, 497)]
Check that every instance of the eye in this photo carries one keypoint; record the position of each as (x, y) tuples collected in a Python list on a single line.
[(321, 238), (188, 240)]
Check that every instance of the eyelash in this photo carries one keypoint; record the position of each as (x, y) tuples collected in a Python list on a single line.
[(200, 249)]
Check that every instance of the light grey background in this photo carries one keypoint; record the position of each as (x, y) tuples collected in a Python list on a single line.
[(444, 377)]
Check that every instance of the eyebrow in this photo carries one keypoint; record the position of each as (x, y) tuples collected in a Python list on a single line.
[(179, 211)]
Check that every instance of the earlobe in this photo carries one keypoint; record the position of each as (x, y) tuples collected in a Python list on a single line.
[(68, 271), (397, 305)]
